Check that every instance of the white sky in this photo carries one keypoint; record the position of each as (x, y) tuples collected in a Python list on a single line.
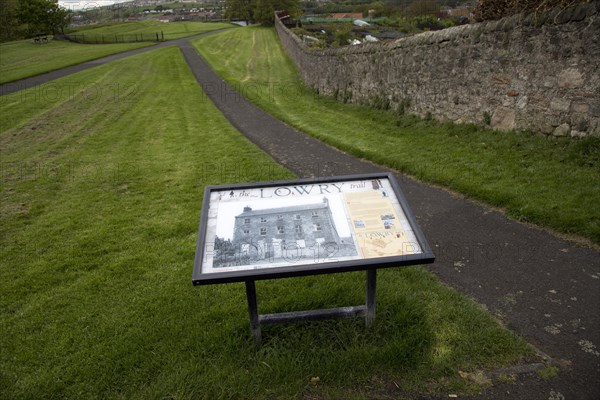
[(87, 4)]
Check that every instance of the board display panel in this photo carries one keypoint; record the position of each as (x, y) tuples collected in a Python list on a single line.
[(301, 227)]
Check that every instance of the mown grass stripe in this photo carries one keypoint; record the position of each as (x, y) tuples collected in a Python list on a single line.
[(553, 183)]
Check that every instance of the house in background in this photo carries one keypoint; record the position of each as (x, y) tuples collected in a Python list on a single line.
[(347, 15)]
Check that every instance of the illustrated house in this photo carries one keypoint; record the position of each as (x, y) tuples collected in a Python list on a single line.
[(273, 229)]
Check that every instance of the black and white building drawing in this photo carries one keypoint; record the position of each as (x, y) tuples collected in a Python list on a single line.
[(289, 234)]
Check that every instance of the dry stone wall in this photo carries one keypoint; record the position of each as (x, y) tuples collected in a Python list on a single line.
[(536, 72)]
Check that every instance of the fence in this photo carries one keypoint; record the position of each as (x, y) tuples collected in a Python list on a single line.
[(115, 38)]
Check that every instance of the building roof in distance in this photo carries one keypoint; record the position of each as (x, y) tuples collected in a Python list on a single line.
[(281, 210)]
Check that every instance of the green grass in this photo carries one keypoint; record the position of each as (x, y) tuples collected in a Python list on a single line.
[(100, 199), (23, 58), (548, 373), (550, 183), (171, 30)]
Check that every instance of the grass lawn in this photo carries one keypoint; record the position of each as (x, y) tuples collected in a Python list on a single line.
[(171, 30), (550, 183), (100, 199), (23, 58)]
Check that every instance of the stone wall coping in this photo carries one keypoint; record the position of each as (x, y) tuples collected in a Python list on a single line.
[(556, 16)]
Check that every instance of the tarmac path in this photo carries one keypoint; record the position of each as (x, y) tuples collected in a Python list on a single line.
[(544, 288), (22, 84)]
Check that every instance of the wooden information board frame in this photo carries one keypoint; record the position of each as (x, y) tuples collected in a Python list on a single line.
[(280, 229)]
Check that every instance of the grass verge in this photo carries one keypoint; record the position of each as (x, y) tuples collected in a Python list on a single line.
[(100, 200), (148, 28), (550, 183), (23, 58)]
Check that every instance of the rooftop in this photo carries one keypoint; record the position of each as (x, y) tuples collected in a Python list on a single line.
[(280, 210)]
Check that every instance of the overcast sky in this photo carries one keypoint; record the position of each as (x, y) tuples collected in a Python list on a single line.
[(82, 4)]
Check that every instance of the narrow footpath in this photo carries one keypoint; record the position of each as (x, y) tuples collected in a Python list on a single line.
[(542, 287), (12, 87)]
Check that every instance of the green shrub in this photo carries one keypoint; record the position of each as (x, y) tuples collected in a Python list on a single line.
[(428, 23), (487, 118), (381, 102), (342, 34), (403, 106)]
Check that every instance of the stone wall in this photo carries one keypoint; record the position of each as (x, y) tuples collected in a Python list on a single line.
[(537, 72)]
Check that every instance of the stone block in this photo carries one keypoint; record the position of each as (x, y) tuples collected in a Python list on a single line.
[(503, 119), (595, 109), (562, 130), (545, 127), (549, 81), (564, 16), (580, 12), (570, 78), (560, 104), (580, 107), (509, 102), (522, 102)]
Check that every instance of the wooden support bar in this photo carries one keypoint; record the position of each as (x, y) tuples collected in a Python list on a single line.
[(371, 299), (313, 315), (367, 311), (253, 311)]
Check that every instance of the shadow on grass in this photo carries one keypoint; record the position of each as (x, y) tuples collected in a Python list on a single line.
[(423, 335), (339, 352)]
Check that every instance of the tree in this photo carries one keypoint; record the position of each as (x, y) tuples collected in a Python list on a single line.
[(43, 16), (423, 7), (9, 26), (223, 250), (261, 11), (377, 7), (58, 18), (239, 10), (266, 13)]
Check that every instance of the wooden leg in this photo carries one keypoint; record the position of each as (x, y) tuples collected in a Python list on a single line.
[(371, 288), (253, 311), (368, 310)]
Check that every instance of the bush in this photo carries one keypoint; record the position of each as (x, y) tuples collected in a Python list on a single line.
[(428, 23), (342, 34)]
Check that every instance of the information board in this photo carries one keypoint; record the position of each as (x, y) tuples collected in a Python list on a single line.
[(302, 227)]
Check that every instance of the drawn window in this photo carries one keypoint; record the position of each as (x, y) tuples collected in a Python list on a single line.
[(263, 219), (246, 220), (297, 216), (298, 228), (263, 231), (280, 230), (317, 227), (280, 217), (246, 232), (315, 214)]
